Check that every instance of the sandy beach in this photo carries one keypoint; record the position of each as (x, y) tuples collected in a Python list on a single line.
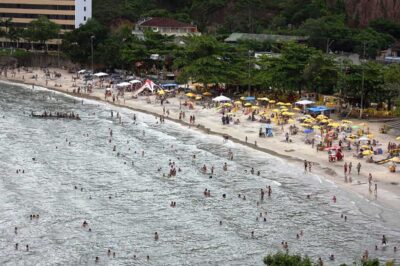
[(209, 121)]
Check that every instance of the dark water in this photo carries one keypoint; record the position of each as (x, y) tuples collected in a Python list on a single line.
[(190, 234)]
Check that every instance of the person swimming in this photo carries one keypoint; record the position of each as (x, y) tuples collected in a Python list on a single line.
[(156, 236), (384, 240)]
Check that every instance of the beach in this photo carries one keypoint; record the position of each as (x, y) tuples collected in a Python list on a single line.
[(209, 121)]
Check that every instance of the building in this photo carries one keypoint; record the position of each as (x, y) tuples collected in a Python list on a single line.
[(236, 37), (69, 14), (166, 26)]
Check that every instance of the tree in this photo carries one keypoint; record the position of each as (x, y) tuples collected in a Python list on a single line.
[(391, 76), (284, 259), (77, 43), (203, 60), (372, 41), (42, 30)]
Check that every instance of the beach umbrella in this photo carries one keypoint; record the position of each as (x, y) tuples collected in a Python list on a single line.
[(304, 102), (207, 93), (370, 136), (334, 124), (296, 109), (398, 138), (322, 117), (100, 74), (395, 159), (227, 104), (276, 110), (190, 94), (347, 122), (263, 99), (135, 81), (305, 125), (247, 104), (272, 101), (288, 104), (354, 127), (316, 127), (123, 84), (198, 97), (291, 121), (308, 131), (255, 107), (221, 98), (238, 102), (161, 92), (367, 152), (280, 103), (364, 138)]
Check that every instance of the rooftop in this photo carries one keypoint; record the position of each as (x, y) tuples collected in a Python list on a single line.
[(237, 36), (165, 23)]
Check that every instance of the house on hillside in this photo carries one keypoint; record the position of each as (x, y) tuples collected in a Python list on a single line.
[(167, 26)]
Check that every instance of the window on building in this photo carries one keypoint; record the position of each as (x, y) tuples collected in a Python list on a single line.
[(84, 8), (84, 18)]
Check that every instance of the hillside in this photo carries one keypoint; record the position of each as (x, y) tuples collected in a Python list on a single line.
[(246, 15)]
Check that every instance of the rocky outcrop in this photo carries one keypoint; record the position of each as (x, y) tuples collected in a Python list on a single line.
[(361, 12)]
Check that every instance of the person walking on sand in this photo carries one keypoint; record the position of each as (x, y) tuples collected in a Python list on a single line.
[(350, 166), (370, 182), (305, 165), (358, 168), (345, 169), (376, 190)]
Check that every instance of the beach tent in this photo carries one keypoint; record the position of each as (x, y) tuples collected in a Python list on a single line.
[(149, 85), (101, 74), (304, 102), (221, 98), (123, 84), (135, 81)]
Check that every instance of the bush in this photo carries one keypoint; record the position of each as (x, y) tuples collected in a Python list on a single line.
[(283, 259)]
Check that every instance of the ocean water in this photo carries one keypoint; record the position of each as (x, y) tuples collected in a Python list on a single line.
[(78, 153)]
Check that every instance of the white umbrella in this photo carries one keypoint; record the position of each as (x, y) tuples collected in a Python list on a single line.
[(101, 74), (135, 81), (81, 71), (304, 102), (123, 84), (221, 98), (364, 138)]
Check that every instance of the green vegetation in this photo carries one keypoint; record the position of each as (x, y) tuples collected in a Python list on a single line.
[(284, 259)]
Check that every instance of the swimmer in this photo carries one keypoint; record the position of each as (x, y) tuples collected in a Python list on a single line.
[(345, 218), (258, 173), (90, 230), (84, 224), (331, 257), (148, 257), (16, 246), (244, 197), (224, 196), (109, 252), (252, 171), (96, 259), (252, 234), (16, 230), (27, 247), (220, 222), (334, 199), (156, 236), (113, 254), (384, 240)]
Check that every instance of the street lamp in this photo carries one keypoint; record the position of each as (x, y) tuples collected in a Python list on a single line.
[(91, 45), (249, 76)]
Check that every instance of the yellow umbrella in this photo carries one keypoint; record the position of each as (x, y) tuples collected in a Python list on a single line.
[(291, 121), (242, 98), (324, 121), (370, 136), (238, 102), (280, 103), (365, 146), (247, 104), (398, 138), (272, 101), (198, 98), (207, 93), (285, 113), (284, 109), (227, 104), (395, 159), (263, 99), (296, 109), (309, 120), (288, 104), (161, 92), (367, 152), (190, 94), (322, 117), (255, 107), (347, 122), (305, 125), (277, 111), (334, 124), (316, 127)]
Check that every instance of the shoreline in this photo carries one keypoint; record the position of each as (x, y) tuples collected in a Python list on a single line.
[(388, 199)]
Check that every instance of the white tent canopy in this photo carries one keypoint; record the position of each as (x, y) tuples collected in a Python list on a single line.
[(123, 84), (304, 102), (81, 71), (221, 98), (135, 81), (101, 74)]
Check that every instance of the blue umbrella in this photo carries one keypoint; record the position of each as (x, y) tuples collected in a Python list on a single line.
[(308, 131), (250, 98)]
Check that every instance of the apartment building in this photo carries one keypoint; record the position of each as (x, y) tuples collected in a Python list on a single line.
[(69, 14)]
